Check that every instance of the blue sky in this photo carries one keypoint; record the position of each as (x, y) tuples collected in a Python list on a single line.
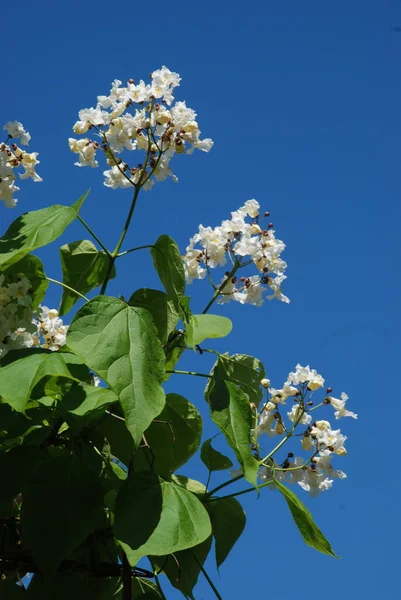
[(302, 100)]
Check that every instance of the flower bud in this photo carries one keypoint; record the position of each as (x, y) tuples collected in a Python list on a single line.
[(265, 383)]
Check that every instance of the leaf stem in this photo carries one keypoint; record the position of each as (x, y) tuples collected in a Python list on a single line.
[(223, 485), (93, 234), (222, 286), (206, 576), (127, 579), (134, 249), (190, 373), (251, 489), (64, 285), (157, 580)]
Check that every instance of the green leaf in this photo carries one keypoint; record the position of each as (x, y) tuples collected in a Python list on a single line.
[(183, 570), (304, 521), (17, 467), (168, 264), (172, 439), (63, 504), (231, 412), (196, 487), (228, 522), (145, 589), (78, 585), (119, 438), (174, 349), (202, 327), (32, 268), (156, 303), (120, 343), (84, 269), (245, 371), (35, 229), (213, 459), (28, 372), (10, 590), (85, 403), (158, 517)]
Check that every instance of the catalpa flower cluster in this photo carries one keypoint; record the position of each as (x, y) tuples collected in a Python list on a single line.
[(315, 473), (12, 158), (138, 116), (20, 326), (240, 241)]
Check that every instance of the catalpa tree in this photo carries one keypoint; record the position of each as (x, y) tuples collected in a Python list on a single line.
[(91, 505)]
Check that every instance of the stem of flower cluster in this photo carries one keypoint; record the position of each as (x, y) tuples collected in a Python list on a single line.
[(222, 286), (114, 254)]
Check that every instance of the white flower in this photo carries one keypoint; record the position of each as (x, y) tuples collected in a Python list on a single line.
[(86, 151), (16, 130), (328, 440), (339, 405), (275, 286), (252, 292), (315, 482), (294, 414), (251, 208), (306, 375), (29, 162), (115, 178), (266, 420)]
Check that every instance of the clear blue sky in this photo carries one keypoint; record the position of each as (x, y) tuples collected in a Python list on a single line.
[(303, 102)]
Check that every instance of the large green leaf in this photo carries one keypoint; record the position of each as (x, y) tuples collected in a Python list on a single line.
[(158, 517), (184, 568), (245, 371), (202, 327), (36, 229), (156, 303), (228, 522), (63, 504), (304, 521), (16, 468), (118, 436), (213, 459), (168, 264), (32, 268), (85, 403), (172, 439), (28, 372), (84, 269), (231, 412), (120, 343)]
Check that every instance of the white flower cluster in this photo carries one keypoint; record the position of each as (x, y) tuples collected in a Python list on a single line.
[(315, 474), (20, 327), (156, 124), (15, 312), (236, 239), (11, 158)]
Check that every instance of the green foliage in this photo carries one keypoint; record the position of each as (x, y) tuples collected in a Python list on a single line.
[(172, 439), (62, 485), (162, 310), (158, 517), (304, 521), (168, 264), (231, 412), (30, 371), (84, 269), (202, 327), (228, 522), (213, 459), (120, 343), (35, 229), (184, 568)]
